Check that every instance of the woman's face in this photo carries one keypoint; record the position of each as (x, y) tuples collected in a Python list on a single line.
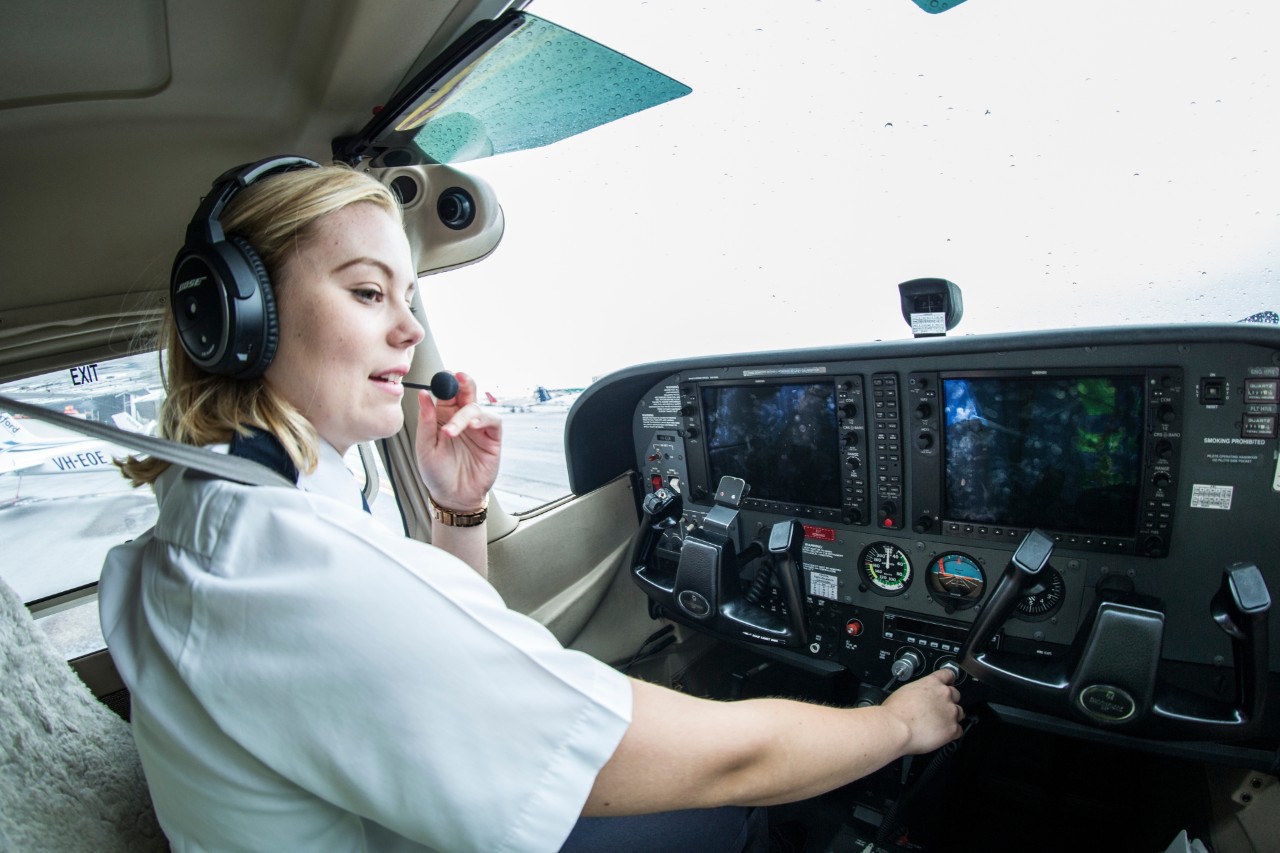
[(346, 332)]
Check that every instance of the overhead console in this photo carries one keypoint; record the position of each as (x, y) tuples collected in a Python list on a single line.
[(1146, 459)]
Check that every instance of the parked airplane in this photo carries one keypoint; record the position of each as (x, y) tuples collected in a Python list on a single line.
[(541, 398), (30, 447)]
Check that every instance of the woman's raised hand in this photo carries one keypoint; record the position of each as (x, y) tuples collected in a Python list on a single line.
[(458, 445)]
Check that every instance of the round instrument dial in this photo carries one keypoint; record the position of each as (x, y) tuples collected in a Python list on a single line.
[(1043, 598), (956, 580), (885, 568)]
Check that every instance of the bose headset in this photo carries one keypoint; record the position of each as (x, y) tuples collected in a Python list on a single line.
[(219, 291)]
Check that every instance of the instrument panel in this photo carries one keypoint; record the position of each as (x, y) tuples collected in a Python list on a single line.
[(915, 469)]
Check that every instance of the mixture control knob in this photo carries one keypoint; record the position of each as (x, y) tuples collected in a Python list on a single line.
[(949, 662)]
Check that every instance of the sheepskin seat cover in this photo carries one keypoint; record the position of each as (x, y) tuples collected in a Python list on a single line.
[(70, 779)]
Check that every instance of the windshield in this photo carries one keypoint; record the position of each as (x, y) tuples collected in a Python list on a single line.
[(1071, 164)]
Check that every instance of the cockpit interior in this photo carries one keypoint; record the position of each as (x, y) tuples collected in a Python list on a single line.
[(1082, 524)]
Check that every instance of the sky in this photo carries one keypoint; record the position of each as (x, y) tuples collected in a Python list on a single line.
[(1066, 164)]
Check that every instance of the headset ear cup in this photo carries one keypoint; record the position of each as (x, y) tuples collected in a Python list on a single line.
[(270, 320)]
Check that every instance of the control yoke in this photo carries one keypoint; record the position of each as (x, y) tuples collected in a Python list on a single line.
[(1112, 678), (706, 587)]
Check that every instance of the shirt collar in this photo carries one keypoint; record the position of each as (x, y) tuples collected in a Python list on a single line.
[(330, 477)]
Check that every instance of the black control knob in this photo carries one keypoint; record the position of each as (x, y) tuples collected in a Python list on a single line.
[(1166, 414), (690, 432), (923, 524), (851, 439), (1153, 546), (949, 662), (1164, 449), (853, 462), (1161, 480), (923, 411), (850, 410), (887, 509), (924, 441)]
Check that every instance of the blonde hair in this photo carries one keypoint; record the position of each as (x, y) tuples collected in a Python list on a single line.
[(277, 216)]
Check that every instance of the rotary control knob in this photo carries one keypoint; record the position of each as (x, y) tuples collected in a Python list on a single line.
[(923, 411), (924, 441)]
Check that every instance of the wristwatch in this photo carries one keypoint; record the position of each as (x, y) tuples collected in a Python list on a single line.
[(458, 518)]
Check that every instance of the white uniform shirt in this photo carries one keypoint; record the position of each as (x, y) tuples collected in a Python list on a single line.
[(304, 679)]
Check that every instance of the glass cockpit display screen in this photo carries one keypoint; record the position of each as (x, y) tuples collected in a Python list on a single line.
[(1060, 452), (781, 438)]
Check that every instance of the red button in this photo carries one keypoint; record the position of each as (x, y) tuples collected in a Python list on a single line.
[(853, 627)]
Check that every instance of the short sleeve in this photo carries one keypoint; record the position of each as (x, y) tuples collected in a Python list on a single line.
[(386, 677)]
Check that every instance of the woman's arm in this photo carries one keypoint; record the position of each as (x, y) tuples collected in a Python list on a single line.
[(469, 544), (682, 752)]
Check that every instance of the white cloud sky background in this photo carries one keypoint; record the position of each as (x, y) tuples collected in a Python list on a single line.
[(1069, 163)]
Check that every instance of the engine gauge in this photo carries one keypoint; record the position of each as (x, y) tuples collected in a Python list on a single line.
[(1043, 598), (885, 568), (956, 580)]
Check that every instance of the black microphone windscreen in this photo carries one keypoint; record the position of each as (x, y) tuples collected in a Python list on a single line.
[(444, 385)]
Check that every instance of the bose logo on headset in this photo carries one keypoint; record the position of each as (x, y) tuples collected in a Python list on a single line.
[(219, 292)]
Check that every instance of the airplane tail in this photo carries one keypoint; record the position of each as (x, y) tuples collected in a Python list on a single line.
[(126, 421), (490, 398), (13, 433)]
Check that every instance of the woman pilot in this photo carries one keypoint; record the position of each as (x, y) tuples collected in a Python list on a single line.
[(302, 679)]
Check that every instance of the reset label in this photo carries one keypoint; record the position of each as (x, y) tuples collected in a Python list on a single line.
[(1211, 497)]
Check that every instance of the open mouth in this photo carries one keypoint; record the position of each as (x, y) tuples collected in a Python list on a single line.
[(388, 378)]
